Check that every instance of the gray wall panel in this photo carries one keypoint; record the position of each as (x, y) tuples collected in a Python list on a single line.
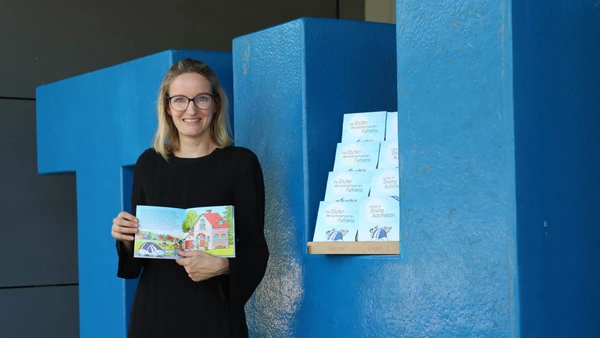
[(37, 213), (48, 312), (352, 9), (46, 41)]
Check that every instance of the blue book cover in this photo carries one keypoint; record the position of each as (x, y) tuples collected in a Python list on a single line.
[(165, 230), (388, 155), (356, 156), (385, 183), (347, 186), (336, 222), (364, 127), (378, 219)]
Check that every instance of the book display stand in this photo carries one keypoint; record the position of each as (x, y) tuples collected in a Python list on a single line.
[(360, 211)]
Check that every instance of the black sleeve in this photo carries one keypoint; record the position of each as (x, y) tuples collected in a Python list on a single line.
[(247, 269), (130, 267)]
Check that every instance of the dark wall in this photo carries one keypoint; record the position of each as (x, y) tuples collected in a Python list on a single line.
[(38, 282), (46, 41), (557, 119)]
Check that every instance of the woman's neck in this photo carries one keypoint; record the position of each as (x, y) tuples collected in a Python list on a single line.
[(194, 148)]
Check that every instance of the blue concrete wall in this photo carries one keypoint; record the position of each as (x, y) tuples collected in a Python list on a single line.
[(96, 124), (457, 275), (557, 132), (293, 83), (458, 198)]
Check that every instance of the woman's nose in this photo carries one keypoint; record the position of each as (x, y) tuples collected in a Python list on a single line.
[(191, 108)]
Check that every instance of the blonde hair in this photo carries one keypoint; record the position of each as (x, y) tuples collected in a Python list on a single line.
[(166, 138)]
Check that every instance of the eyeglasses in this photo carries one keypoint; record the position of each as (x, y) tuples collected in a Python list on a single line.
[(181, 102)]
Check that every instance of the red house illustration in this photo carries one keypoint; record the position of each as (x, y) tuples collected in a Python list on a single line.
[(211, 231), (188, 242)]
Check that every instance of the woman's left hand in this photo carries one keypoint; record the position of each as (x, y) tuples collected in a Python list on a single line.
[(201, 266)]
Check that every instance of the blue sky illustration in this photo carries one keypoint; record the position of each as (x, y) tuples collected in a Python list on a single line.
[(160, 219)]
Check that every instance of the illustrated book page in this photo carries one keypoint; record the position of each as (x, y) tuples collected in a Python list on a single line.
[(165, 230)]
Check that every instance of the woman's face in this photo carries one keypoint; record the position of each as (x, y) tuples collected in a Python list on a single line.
[(191, 122)]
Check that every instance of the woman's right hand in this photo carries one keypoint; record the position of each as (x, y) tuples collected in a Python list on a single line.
[(124, 227)]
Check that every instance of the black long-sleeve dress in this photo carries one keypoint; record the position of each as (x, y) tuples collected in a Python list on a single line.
[(167, 302)]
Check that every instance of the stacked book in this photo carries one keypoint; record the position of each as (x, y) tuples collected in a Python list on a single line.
[(362, 194)]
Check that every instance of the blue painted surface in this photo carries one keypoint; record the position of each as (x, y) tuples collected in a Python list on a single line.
[(458, 201), (557, 133), (292, 85), (96, 124)]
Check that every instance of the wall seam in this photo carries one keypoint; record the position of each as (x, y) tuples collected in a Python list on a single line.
[(17, 98)]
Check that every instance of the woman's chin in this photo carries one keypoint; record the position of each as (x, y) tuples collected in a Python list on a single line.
[(192, 133)]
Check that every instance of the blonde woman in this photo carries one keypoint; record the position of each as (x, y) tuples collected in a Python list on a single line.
[(191, 164)]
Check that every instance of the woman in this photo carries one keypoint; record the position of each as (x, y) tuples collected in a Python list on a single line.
[(192, 164)]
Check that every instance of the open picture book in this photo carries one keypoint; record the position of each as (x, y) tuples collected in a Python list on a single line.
[(164, 230)]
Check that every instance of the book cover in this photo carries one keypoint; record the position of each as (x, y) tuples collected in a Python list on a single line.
[(356, 156), (347, 186), (388, 155), (391, 127), (379, 219), (364, 127), (385, 183), (336, 222), (164, 230)]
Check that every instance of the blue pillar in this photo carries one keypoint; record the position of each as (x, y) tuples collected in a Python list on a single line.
[(96, 125), (556, 55), (292, 85), (456, 136)]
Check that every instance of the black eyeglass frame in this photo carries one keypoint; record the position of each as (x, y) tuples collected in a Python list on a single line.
[(193, 99)]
